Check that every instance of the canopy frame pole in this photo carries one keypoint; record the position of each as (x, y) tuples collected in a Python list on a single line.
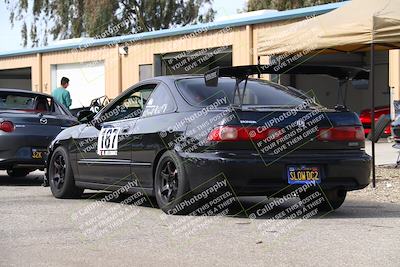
[(373, 112)]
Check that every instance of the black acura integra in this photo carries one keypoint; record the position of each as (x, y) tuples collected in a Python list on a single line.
[(175, 135)]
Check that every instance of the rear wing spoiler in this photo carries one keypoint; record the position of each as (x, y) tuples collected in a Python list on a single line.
[(243, 72)]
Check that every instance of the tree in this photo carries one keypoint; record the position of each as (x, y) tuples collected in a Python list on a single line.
[(253, 5), (65, 19)]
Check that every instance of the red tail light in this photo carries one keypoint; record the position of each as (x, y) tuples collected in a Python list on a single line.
[(237, 133), (343, 133), (7, 126), (365, 117)]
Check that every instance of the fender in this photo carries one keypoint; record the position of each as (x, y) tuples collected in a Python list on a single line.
[(64, 138)]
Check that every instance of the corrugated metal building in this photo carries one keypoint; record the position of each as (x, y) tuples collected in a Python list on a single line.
[(107, 66)]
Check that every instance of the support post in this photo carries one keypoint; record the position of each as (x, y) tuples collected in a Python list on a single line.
[(119, 69), (38, 87), (373, 113)]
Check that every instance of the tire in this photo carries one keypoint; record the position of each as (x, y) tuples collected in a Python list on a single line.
[(61, 178), (18, 172), (171, 185), (333, 198), (380, 127)]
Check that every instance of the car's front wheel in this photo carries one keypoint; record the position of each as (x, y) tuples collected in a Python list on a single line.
[(61, 178)]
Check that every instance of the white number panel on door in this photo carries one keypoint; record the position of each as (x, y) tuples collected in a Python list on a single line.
[(107, 143)]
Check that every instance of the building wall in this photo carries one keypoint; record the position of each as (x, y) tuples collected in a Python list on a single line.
[(24, 62), (122, 71), (394, 78), (142, 52)]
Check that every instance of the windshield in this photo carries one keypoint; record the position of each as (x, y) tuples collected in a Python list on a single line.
[(257, 93)]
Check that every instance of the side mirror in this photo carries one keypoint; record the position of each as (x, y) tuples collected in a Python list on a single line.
[(85, 116)]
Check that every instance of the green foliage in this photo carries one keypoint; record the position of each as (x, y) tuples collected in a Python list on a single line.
[(65, 19), (253, 5)]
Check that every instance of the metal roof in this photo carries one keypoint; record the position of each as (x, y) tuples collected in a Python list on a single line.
[(264, 18)]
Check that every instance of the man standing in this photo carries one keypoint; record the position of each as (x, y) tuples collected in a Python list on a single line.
[(61, 94)]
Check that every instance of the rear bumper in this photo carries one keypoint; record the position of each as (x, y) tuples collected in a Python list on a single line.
[(251, 174), (16, 151), (21, 156)]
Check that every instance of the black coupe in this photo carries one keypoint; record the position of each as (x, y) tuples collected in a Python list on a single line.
[(176, 135)]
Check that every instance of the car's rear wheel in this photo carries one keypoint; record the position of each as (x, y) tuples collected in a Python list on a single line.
[(61, 178), (18, 172), (333, 198), (171, 184)]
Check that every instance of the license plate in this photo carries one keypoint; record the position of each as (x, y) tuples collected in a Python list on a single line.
[(38, 153), (303, 174)]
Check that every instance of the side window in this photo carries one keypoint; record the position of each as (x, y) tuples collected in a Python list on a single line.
[(129, 106), (160, 102), (57, 109), (43, 104)]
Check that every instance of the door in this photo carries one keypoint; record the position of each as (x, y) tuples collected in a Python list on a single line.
[(105, 148), (87, 81), (156, 118)]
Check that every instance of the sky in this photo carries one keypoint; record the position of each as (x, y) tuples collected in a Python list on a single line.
[(11, 37)]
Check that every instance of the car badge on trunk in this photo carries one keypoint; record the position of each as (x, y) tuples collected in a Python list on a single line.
[(301, 123), (43, 121)]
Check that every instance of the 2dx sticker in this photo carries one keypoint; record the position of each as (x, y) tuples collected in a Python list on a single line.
[(107, 143)]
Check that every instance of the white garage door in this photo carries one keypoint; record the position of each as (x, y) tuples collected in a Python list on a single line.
[(86, 81)]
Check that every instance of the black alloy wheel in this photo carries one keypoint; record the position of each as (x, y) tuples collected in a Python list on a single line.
[(59, 170), (61, 177), (171, 184), (169, 181)]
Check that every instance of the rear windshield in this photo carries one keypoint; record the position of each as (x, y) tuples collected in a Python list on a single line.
[(25, 102), (258, 93)]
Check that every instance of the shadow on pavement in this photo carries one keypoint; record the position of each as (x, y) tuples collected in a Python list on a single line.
[(350, 209), (150, 203), (33, 179)]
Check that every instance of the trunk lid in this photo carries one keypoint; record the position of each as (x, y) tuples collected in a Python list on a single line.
[(294, 130), (36, 123)]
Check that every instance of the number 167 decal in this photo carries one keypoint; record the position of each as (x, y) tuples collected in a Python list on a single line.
[(107, 143)]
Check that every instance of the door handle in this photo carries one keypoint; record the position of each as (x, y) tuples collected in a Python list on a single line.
[(125, 129)]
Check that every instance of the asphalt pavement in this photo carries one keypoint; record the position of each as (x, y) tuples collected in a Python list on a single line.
[(38, 230)]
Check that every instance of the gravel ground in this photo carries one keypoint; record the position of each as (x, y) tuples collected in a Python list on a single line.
[(387, 186)]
